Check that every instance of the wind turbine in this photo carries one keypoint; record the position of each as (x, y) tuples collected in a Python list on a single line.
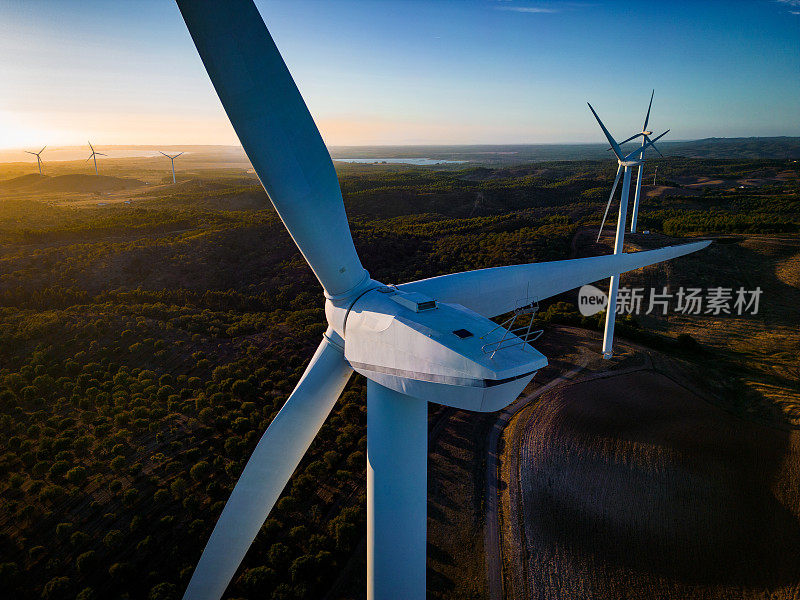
[(94, 156), (625, 164), (425, 341), (38, 156), (172, 160), (644, 134)]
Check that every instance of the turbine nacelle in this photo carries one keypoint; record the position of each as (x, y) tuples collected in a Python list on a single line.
[(433, 351)]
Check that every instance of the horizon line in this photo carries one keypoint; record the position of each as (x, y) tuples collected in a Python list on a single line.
[(404, 145)]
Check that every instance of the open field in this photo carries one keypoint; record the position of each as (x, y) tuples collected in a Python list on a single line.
[(633, 486), (149, 333)]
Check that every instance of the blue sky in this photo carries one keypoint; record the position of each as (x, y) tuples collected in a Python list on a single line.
[(407, 71)]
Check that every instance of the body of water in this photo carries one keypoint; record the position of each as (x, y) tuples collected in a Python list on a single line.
[(400, 161)]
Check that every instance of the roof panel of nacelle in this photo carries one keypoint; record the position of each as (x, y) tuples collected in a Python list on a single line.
[(389, 335)]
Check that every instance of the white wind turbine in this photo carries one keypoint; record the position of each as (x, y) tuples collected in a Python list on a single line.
[(38, 156), (420, 342), (172, 160), (625, 164), (646, 142), (644, 133), (94, 156)]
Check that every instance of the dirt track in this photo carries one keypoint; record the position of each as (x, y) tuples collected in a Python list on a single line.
[(635, 487)]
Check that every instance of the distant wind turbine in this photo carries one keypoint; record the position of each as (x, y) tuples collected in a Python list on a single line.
[(38, 156), (644, 133), (172, 160), (94, 156), (626, 163)]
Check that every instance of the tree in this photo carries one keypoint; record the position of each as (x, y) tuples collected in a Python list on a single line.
[(86, 562), (58, 469), (258, 581), (163, 591), (113, 538), (57, 589), (243, 389), (118, 463), (199, 471), (129, 497), (303, 569), (178, 488), (86, 593), (76, 475), (278, 556)]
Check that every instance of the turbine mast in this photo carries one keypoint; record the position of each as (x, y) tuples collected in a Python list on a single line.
[(397, 494), (619, 242)]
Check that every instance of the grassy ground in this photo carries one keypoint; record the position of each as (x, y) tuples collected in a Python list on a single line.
[(633, 486), (150, 333)]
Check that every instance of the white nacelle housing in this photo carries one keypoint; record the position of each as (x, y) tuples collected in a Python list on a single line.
[(442, 353)]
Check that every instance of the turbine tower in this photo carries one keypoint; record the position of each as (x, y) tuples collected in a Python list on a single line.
[(94, 156), (38, 156), (644, 133), (172, 160), (625, 164), (426, 341)]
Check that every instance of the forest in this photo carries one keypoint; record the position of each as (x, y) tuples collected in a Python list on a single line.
[(146, 345)]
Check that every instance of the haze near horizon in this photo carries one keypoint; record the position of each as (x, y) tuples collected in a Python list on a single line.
[(392, 72)]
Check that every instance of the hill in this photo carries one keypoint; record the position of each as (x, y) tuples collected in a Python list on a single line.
[(79, 183), (787, 148)]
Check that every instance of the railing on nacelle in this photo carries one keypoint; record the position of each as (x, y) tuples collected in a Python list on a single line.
[(522, 334)]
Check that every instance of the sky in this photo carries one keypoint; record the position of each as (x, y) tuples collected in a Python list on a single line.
[(410, 72)]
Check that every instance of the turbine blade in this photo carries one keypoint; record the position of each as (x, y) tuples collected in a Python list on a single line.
[(654, 146), (272, 463), (610, 198), (645, 145), (100, 154), (277, 133), (167, 155), (647, 117), (611, 140), (633, 137), (90, 145), (492, 292), (177, 155), (42, 150), (29, 152)]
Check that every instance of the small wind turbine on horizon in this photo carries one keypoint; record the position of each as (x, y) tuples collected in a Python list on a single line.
[(172, 160), (625, 164), (94, 156), (38, 156)]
